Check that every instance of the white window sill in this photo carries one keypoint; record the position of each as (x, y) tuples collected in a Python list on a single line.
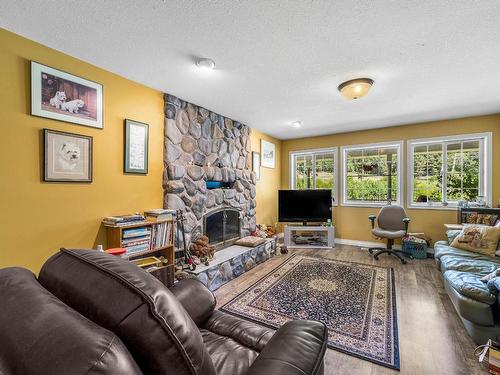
[(368, 205), (422, 207)]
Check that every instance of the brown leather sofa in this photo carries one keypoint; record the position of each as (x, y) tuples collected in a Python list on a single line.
[(92, 313)]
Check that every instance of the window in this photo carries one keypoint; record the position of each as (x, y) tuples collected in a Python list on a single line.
[(371, 174), (314, 169), (444, 171)]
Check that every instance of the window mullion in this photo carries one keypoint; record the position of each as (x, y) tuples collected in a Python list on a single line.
[(314, 171), (445, 172)]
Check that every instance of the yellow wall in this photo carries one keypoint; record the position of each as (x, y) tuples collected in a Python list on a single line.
[(36, 217), (352, 222), (269, 183)]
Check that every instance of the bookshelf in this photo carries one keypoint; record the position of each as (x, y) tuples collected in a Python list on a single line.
[(160, 235)]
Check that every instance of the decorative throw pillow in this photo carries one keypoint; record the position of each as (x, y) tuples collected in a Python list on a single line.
[(486, 219), (494, 285), (471, 218), (490, 276), (250, 241), (479, 239), (452, 234)]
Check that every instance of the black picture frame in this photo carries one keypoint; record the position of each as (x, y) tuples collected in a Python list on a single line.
[(63, 157), (135, 160)]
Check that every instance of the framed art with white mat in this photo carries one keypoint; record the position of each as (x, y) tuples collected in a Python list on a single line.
[(268, 154), (62, 96), (67, 157)]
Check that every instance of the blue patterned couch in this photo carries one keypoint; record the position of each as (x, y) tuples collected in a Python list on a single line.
[(476, 302)]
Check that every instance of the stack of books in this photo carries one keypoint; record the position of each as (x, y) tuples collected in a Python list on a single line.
[(136, 240), (161, 235), (160, 214), (123, 219)]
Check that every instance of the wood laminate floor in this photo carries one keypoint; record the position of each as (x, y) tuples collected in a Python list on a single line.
[(432, 339)]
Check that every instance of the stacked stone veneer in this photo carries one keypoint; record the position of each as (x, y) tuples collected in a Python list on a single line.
[(201, 145), (219, 274)]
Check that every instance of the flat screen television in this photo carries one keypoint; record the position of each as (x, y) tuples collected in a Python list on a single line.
[(304, 205)]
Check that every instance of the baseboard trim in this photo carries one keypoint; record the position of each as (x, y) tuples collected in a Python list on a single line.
[(345, 241)]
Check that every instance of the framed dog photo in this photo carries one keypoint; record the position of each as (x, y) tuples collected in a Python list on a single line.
[(67, 157), (65, 97), (136, 147)]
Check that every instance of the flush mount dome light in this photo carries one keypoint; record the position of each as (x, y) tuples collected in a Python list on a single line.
[(355, 88), (297, 124), (207, 64)]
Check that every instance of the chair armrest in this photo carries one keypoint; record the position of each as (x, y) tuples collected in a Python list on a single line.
[(372, 219), (297, 348), (406, 220), (196, 298)]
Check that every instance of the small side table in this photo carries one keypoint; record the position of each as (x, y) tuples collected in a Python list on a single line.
[(317, 237)]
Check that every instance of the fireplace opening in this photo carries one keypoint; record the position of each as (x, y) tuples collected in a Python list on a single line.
[(222, 227)]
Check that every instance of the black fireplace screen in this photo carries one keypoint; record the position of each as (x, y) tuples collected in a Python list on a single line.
[(222, 226)]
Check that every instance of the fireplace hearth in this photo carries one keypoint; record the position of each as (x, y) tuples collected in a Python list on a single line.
[(222, 227)]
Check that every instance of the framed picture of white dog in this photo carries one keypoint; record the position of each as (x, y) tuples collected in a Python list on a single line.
[(62, 96), (67, 157)]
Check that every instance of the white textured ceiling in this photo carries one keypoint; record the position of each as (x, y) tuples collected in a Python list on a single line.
[(280, 61)]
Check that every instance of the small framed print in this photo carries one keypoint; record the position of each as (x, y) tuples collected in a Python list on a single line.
[(256, 164), (136, 147), (62, 96), (67, 157), (268, 151)]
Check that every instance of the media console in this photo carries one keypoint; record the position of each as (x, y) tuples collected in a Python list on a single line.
[(318, 237)]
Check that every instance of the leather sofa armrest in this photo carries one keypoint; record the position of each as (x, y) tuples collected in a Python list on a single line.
[(196, 299), (297, 348)]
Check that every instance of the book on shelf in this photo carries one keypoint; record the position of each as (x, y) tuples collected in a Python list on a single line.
[(123, 219), (136, 232), (160, 214)]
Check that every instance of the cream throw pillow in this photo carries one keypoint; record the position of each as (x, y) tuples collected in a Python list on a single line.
[(479, 239), (250, 241)]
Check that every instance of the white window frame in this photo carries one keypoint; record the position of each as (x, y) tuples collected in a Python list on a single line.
[(485, 163), (314, 152), (344, 149)]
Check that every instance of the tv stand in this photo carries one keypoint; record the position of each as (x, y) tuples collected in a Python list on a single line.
[(303, 236)]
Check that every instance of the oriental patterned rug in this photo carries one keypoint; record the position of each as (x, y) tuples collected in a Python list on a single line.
[(357, 302)]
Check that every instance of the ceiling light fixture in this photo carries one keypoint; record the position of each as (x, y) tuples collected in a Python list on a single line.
[(355, 88), (297, 124), (207, 64)]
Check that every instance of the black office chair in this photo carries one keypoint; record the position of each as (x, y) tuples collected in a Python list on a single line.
[(392, 224)]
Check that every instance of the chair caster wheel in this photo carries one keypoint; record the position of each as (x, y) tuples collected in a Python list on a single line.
[(403, 261), (370, 251), (375, 257)]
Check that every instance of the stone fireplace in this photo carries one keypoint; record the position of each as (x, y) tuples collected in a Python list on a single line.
[(208, 172), (222, 226)]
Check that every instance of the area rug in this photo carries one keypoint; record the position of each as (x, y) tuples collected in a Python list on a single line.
[(357, 302)]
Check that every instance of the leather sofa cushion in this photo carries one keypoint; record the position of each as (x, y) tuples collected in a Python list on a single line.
[(41, 335), (458, 263), (441, 249), (474, 311), (127, 300), (242, 331), (470, 285), (228, 356), (451, 234), (196, 298), (297, 348)]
